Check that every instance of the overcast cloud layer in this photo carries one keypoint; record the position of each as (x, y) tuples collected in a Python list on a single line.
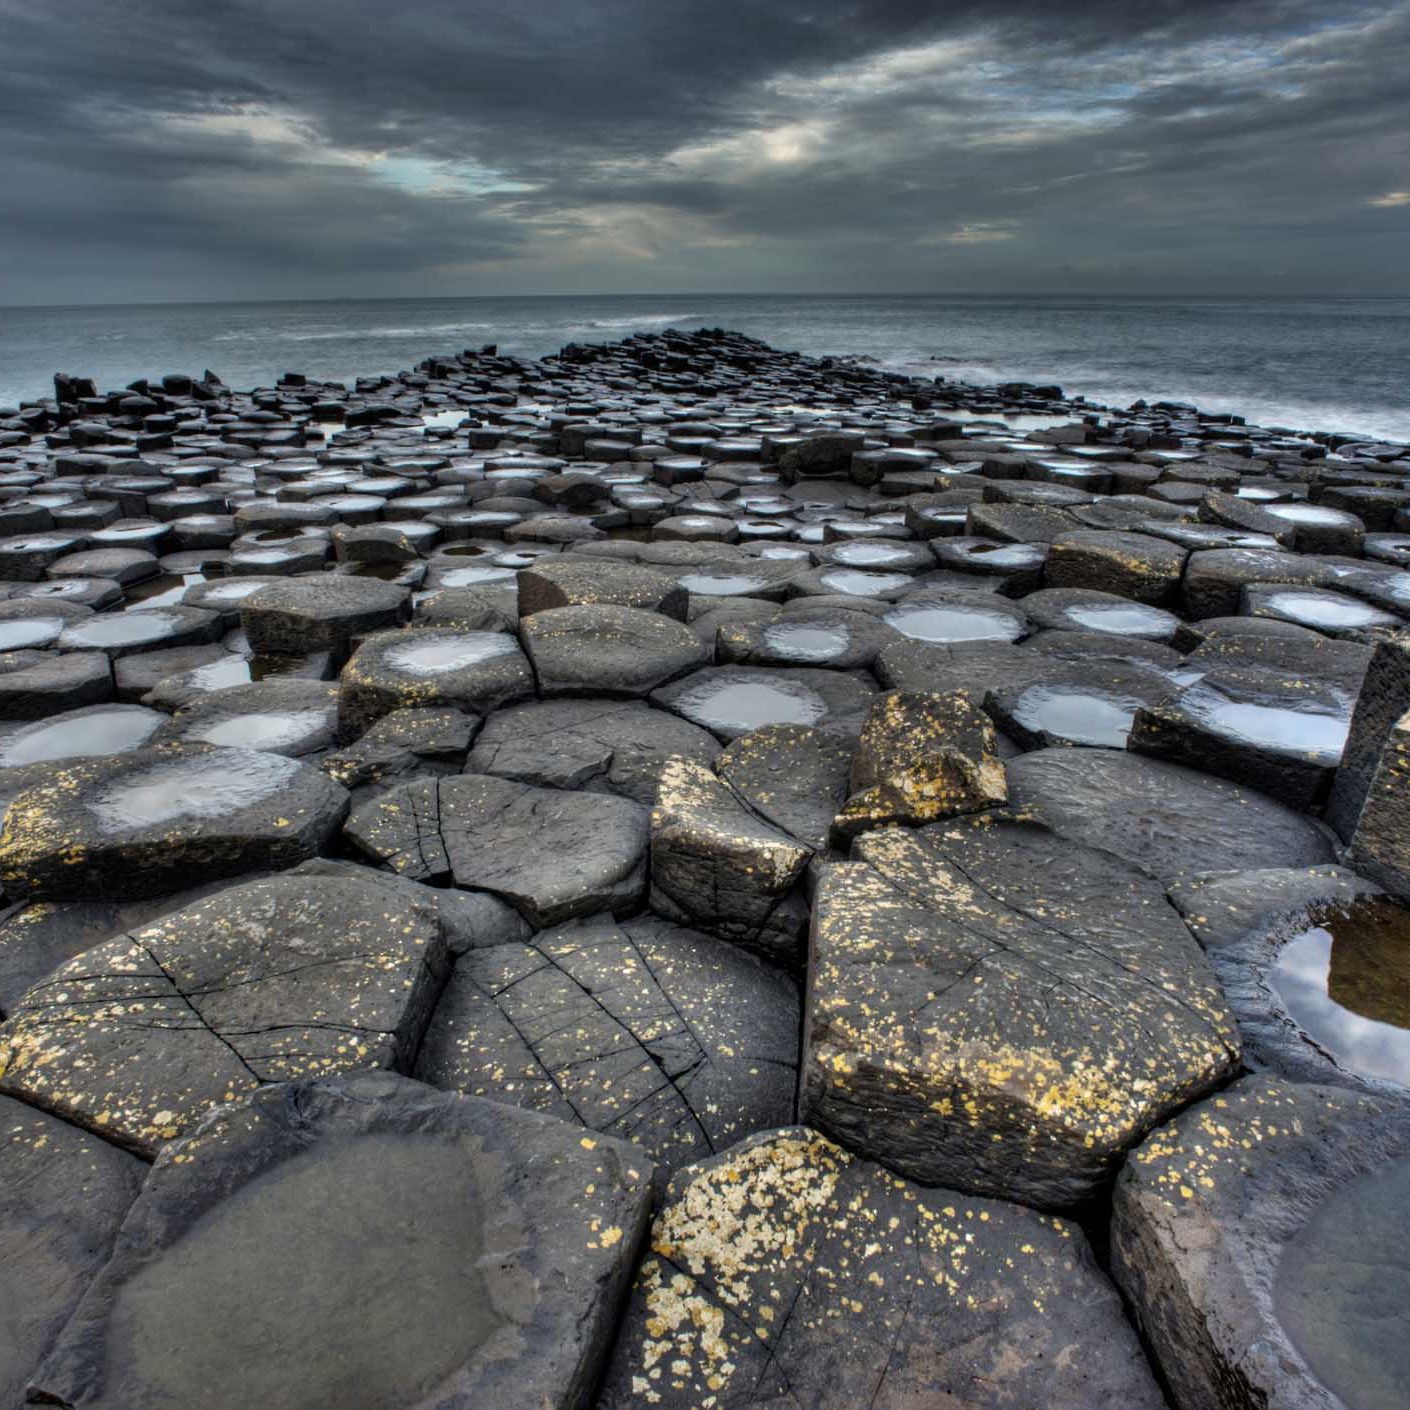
[(163, 149)]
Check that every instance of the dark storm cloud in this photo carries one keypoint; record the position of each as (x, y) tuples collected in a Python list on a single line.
[(254, 147)]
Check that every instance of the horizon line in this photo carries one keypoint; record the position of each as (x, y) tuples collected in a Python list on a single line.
[(724, 294)]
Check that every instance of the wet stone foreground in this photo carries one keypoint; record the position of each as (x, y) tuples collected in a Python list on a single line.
[(685, 875)]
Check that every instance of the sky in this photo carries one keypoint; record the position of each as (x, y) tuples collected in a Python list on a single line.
[(246, 149)]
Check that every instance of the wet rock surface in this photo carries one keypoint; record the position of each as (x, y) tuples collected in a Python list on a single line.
[(1260, 1238), (522, 1236), (609, 676), (790, 1272)]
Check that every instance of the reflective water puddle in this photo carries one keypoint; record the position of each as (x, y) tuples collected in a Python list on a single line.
[(1080, 717), (946, 624), (262, 729), (209, 786), (1121, 620), (737, 705), (856, 583), (800, 641), (1346, 984), (113, 730), (450, 653)]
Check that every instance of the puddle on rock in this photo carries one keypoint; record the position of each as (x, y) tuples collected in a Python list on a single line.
[(856, 583), (722, 585), (1078, 716), (1326, 610), (475, 577), (125, 629), (735, 705), (1346, 984), (113, 730), (868, 555), (261, 729), (1320, 737), (947, 624), (1133, 620), (209, 786), (450, 653), (22, 632), (803, 641)]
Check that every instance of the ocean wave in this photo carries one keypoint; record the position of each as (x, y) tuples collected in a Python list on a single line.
[(506, 328)]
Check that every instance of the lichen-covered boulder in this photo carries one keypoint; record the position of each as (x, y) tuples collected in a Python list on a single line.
[(787, 1272), (998, 1009), (642, 1030), (362, 1241), (921, 757), (793, 776), (1260, 1239), (277, 979)]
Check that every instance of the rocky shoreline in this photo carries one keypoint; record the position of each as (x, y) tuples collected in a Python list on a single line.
[(682, 874)]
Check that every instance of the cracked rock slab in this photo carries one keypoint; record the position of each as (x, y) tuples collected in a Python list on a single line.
[(793, 776), (716, 865), (362, 1242), (645, 1031), (551, 854), (1261, 1241), (922, 756), (63, 1194), (788, 1273), (151, 822), (1001, 1010), (278, 979), (600, 746), (608, 650)]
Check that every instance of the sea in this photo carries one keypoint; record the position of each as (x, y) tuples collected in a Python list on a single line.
[(1331, 364)]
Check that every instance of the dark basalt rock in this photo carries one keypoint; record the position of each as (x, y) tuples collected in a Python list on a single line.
[(551, 854), (789, 1272), (600, 746), (322, 612), (403, 744), (1084, 703), (1138, 567), (793, 776), (1276, 732), (63, 1194), (994, 1008), (976, 666), (430, 668), (644, 1031), (145, 823), (1383, 700), (718, 866), (1260, 1239), (277, 979), (580, 582), (521, 1236), (607, 650), (1168, 820)]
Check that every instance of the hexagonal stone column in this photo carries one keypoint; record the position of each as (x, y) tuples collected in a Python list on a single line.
[(1261, 1239), (139, 1036), (787, 1272), (552, 854), (365, 1242), (645, 1030), (717, 865), (994, 1008), (157, 820)]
